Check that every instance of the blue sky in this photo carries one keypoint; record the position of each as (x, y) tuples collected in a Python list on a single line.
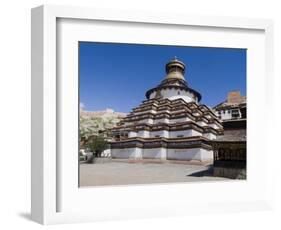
[(118, 75)]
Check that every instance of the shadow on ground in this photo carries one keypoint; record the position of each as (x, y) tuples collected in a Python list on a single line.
[(208, 172), (25, 215)]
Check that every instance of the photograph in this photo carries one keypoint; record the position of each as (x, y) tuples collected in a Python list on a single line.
[(141, 113), (158, 114)]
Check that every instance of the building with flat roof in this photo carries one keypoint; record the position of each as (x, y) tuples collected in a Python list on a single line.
[(234, 107)]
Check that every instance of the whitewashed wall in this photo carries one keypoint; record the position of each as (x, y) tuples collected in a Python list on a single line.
[(208, 116), (134, 153), (142, 112), (161, 133), (210, 136), (202, 123), (207, 155), (144, 134), (156, 153), (226, 115), (148, 121), (172, 94), (132, 134), (185, 133), (165, 133), (183, 119), (128, 123), (215, 126), (163, 120), (197, 154)]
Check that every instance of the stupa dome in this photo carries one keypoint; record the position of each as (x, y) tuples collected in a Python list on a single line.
[(174, 84)]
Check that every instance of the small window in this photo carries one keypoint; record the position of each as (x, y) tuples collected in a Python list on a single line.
[(157, 135), (179, 93), (235, 113), (180, 136)]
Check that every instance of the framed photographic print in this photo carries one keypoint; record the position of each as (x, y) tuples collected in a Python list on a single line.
[(139, 115)]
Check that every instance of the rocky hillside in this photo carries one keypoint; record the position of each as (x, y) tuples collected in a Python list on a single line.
[(94, 122)]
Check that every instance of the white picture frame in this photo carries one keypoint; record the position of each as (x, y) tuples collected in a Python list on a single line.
[(55, 199)]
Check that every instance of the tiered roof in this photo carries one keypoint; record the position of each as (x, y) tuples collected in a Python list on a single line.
[(158, 142), (171, 109), (176, 109)]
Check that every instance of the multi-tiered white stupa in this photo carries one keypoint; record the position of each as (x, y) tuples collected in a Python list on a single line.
[(170, 124)]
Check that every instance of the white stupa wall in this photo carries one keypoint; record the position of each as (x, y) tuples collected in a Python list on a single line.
[(147, 121), (141, 121), (168, 134), (127, 153), (183, 119), (174, 94), (207, 155), (132, 134), (214, 125), (146, 111), (202, 123), (184, 133), (210, 136), (155, 153), (144, 134), (163, 120), (161, 133), (196, 154)]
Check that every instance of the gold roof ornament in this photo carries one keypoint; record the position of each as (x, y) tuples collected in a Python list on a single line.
[(175, 69)]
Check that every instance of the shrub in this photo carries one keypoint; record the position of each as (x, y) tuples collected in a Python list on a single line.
[(97, 145)]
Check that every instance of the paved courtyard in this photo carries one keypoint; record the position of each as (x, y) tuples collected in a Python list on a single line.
[(114, 172)]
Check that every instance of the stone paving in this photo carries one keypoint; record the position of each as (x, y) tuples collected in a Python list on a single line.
[(123, 172)]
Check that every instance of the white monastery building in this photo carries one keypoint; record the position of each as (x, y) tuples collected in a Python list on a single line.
[(233, 108), (170, 125)]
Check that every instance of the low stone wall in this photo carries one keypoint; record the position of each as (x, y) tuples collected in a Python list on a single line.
[(233, 169), (232, 173)]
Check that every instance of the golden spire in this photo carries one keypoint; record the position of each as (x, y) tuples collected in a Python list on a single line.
[(175, 69)]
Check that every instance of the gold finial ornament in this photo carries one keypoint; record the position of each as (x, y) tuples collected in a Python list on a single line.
[(175, 69)]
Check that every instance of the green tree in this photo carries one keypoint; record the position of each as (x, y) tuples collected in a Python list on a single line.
[(97, 145)]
